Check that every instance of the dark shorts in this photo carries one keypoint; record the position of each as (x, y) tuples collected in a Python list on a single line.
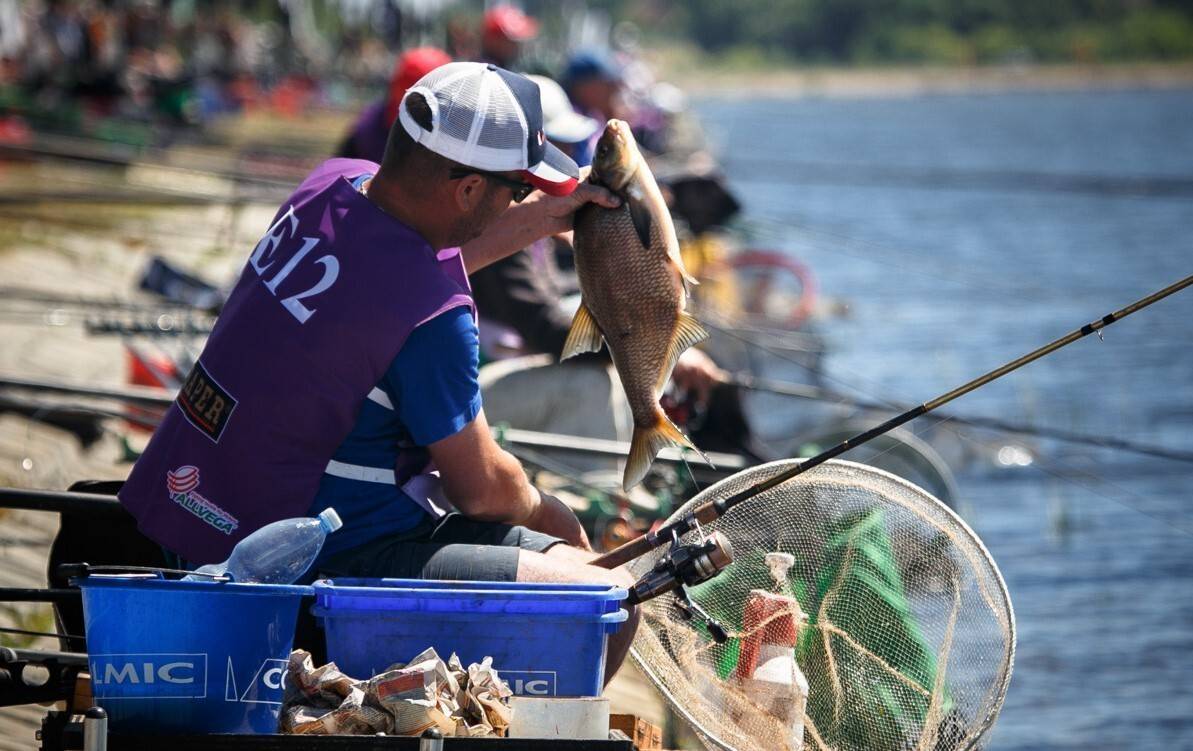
[(455, 547)]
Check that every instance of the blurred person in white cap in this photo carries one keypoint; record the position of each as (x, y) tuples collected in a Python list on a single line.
[(343, 369), (519, 297)]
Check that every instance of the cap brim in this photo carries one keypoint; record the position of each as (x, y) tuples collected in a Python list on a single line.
[(556, 174)]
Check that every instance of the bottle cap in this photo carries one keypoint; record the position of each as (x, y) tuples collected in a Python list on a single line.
[(330, 519)]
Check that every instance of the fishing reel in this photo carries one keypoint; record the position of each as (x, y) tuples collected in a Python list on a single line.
[(687, 565)]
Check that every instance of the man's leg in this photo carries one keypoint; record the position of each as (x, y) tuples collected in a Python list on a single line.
[(460, 549), (563, 563)]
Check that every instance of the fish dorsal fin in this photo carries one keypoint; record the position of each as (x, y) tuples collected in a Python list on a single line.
[(688, 332), (584, 336), (639, 207)]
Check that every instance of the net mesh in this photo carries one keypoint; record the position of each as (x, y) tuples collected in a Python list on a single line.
[(903, 627)]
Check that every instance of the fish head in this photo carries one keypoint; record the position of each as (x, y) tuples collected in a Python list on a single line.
[(616, 157)]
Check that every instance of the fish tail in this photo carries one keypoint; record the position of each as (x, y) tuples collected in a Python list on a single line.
[(646, 445)]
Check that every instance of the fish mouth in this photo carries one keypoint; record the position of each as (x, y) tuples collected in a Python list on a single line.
[(617, 127)]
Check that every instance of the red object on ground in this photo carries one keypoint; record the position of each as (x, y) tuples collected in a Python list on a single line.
[(149, 370), (14, 131), (773, 260)]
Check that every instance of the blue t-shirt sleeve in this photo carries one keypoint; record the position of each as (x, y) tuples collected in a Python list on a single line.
[(433, 380)]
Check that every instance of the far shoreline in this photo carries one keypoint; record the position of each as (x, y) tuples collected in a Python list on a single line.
[(903, 81)]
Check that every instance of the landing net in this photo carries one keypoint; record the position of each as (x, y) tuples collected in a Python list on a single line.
[(903, 626)]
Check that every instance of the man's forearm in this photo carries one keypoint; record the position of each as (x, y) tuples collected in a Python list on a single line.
[(508, 496), (516, 227), (539, 216)]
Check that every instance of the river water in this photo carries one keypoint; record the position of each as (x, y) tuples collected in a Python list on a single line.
[(963, 231)]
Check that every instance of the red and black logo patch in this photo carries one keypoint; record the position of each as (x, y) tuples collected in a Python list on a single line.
[(205, 403)]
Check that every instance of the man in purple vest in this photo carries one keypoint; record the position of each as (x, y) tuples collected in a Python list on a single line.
[(343, 369)]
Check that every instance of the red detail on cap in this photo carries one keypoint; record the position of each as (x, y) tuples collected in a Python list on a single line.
[(410, 67), (510, 23), (778, 614), (564, 188)]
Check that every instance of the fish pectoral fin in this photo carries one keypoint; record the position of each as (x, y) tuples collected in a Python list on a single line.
[(641, 217), (688, 332), (583, 336), (646, 445)]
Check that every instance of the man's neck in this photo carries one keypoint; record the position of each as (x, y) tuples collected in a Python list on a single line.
[(401, 205)]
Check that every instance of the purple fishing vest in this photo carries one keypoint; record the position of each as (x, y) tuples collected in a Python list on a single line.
[(326, 301)]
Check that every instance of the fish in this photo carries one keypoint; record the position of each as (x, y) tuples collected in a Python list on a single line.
[(633, 288)]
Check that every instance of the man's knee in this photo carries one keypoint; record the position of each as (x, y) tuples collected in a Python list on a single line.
[(564, 563)]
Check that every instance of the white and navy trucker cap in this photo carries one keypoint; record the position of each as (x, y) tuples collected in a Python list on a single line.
[(490, 119)]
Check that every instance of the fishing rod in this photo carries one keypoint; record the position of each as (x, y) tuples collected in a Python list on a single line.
[(142, 395), (819, 393), (158, 397), (78, 150), (135, 197), (712, 510), (56, 300)]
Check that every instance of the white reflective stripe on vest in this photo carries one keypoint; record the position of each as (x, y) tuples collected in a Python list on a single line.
[(424, 489), (359, 472), (382, 398)]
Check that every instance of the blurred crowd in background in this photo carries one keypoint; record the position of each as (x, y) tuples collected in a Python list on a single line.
[(66, 64)]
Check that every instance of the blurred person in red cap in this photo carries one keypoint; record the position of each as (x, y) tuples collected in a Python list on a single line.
[(367, 138), (503, 33)]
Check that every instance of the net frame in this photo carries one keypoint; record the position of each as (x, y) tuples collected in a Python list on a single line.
[(930, 510)]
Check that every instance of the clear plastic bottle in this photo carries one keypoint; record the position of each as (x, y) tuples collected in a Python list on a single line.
[(766, 670), (278, 553)]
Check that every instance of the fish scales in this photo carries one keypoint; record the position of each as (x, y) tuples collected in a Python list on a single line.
[(636, 300)]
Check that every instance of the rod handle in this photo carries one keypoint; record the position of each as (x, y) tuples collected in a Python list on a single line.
[(626, 552)]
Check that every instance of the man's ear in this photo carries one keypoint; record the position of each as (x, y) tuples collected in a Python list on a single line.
[(469, 192)]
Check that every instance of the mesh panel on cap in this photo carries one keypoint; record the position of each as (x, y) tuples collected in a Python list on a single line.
[(504, 128), (457, 106), (499, 142)]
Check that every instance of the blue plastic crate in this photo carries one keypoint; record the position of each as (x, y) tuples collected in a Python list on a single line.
[(545, 639), (188, 657)]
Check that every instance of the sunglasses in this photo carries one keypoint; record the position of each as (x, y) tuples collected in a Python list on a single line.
[(521, 189)]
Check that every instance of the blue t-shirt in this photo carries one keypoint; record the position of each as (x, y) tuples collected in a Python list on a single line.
[(430, 392)]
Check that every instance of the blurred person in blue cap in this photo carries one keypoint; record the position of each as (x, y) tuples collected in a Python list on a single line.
[(595, 84)]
